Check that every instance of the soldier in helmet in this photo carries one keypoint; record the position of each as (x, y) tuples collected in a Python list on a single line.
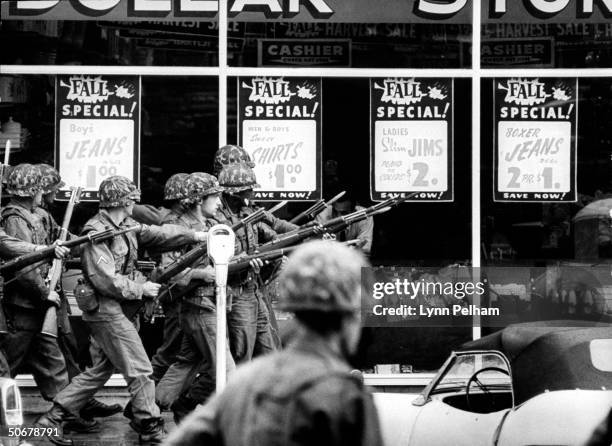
[(112, 279), (11, 247), (174, 192), (150, 215), (197, 309), (305, 394), (249, 323), (230, 155), (51, 182), (27, 298), (227, 156)]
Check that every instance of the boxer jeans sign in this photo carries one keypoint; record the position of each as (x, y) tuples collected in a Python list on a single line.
[(280, 127), (411, 126), (535, 126), (97, 130)]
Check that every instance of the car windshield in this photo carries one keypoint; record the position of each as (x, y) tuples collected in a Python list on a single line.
[(465, 366)]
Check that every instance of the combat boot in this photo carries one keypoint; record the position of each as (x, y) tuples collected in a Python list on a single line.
[(151, 431), (80, 425), (182, 407), (97, 409), (53, 419)]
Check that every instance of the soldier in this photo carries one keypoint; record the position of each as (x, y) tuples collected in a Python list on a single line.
[(362, 230), (112, 279), (11, 247), (174, 193), (230, 155), (51, 182), (27, 298), (306, 394), (150, 215), (198, 315)]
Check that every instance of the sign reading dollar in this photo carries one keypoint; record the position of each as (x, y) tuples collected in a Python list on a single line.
[(411, 146), (280, 128), (535, 126)]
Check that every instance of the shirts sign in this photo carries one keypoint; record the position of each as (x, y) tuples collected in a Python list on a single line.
[(279, 125), (535, 125), (97, 130), (411, 139)]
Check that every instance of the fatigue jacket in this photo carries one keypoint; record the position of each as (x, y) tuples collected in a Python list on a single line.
[(149, 215), (29, 290), (190, 221), (304, 395), (110, 267), (11, 247)]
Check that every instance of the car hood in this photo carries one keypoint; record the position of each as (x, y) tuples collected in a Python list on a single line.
[(396, 415)]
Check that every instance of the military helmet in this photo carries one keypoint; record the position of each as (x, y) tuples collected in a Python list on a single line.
[(51, 179), (200, 184), (175, 187), (237, 177), (322, 276), (228, 155), (116, 191), (24, 180)]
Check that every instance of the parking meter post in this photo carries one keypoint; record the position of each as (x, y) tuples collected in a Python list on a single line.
[(221, 250)]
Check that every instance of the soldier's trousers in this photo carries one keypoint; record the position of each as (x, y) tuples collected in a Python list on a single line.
[(115, 345), (173, 335), (249, 326), (25, 346), (193, 372)]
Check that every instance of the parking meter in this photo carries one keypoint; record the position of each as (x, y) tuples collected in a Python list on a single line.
[(220, 250)]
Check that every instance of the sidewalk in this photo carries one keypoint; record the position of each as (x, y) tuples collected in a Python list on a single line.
[(114, 431)]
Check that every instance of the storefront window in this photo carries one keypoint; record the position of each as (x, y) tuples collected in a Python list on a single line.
[(349, 50), (559, 35)]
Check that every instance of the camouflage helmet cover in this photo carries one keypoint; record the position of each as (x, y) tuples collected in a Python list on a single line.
[(24, 180), (175, 187), (200, 184), (51, 179), (237, 178), (323, 276), (230, 154), (117, 191)]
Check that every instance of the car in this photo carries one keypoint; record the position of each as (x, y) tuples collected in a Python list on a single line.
[(546, 383)]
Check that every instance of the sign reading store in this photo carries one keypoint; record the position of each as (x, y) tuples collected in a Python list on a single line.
[(309, 10)]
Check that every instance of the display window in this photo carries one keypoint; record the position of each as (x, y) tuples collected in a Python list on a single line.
[(499, 141)]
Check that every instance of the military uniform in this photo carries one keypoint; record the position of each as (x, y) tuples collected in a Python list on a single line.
[(165, 355), (111, 270), (304, 395), (10, 247), (193, 374), (249, 321), (25, 299)]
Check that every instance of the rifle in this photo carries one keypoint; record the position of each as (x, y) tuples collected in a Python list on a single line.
[(315, 209), (49, 251), (332, 226), (237, 264), (7, 152), (189, 258), (183, 262), (49, 326)]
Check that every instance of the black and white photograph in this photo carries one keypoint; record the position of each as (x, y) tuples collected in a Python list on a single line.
[(306, 222)]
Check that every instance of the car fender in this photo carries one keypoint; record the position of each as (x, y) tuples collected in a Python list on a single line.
[(396, 415), (566, 417)]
